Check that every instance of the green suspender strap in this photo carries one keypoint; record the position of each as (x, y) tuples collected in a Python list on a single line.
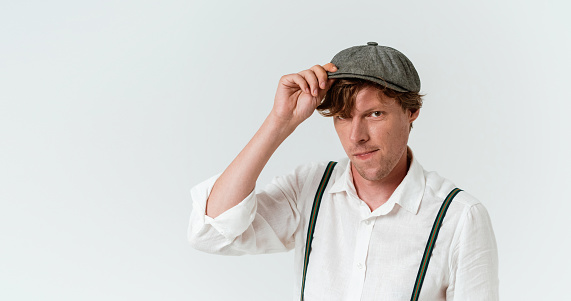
[(313, 218), (430, 243)]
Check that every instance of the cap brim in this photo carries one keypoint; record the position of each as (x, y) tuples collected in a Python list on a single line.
[(338, 75)]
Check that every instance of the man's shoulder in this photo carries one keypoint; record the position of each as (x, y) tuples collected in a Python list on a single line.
[(464, 208), (438, 187)]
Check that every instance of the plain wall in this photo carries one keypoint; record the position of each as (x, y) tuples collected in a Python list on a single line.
[(110, 111)]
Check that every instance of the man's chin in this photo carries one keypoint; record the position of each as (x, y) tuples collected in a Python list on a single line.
[(370, 174)]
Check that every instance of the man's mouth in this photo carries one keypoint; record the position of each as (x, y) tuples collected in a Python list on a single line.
[(365, 155)]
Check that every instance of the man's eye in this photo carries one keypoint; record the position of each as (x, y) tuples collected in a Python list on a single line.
[(376, 114)]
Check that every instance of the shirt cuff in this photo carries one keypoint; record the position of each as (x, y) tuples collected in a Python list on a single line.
[(231, 223)]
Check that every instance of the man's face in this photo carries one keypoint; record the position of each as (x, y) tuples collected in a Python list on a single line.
[(375, 136)]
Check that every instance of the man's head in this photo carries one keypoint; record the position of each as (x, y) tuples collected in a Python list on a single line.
[(373, 101)]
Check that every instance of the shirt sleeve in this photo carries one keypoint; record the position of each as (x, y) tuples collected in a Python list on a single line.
[(475, 270), (264, 222)]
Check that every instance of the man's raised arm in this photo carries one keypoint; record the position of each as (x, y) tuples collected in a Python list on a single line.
[(296, 98)]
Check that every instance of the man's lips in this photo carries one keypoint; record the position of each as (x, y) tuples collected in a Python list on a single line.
[(365, 154)]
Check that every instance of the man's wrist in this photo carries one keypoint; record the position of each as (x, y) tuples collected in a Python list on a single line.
[(280, 126)]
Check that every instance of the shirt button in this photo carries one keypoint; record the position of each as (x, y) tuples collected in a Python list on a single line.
[(360, 266), (367, 222)]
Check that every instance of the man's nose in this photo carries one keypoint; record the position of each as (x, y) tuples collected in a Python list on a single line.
[(359, 131)]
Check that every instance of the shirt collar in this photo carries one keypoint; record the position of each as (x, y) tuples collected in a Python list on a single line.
[(408, 194)]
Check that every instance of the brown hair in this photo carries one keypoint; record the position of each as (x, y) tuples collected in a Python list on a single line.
[(340, 99)]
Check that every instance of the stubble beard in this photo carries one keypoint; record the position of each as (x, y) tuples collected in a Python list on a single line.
[(380, 169)]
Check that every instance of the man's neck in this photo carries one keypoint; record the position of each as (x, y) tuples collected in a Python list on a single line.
[(376, 193)]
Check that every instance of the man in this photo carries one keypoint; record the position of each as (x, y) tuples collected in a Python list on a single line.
[(369, 228)]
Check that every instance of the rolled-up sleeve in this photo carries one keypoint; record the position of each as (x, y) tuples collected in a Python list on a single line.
[(264, 222), (475, 272)]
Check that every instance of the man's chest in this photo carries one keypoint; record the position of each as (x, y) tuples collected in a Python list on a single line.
[(363, 253)]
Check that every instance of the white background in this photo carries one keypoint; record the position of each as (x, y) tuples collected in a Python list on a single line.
[(112, 110)]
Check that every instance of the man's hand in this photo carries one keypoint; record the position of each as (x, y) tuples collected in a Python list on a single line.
[(299, 94)]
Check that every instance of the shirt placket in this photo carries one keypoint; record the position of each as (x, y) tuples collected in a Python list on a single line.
[(363, 239)]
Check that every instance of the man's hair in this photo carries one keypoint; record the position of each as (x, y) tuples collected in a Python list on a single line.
[(340, 99)]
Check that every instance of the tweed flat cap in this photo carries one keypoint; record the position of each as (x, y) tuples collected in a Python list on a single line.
[(383, 65)]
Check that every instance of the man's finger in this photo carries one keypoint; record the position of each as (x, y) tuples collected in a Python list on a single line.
[(329, 67), (321, 75), (312, 80), (292, 80)]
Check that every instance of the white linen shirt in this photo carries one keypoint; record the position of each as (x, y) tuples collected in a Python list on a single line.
[(358, 254)]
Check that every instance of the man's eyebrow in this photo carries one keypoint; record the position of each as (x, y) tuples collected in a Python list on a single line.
[(377, 107)]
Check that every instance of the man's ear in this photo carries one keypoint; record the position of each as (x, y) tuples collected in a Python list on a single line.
[(412, 115)]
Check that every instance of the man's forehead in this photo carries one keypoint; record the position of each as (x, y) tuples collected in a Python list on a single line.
[(371, 96)]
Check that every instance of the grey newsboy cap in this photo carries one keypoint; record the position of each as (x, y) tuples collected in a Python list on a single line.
[(380, 64)]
